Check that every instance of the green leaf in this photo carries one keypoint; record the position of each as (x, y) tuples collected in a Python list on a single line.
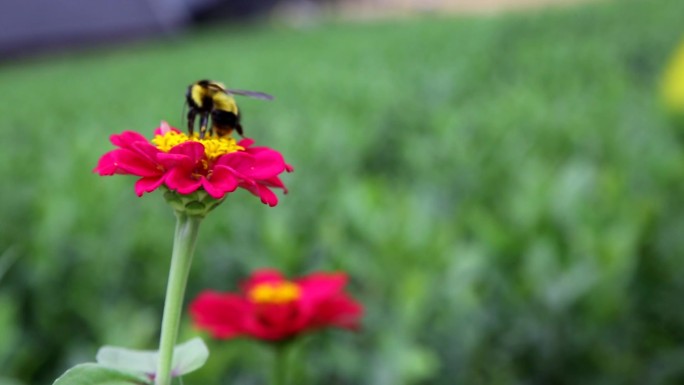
[(95, 374), (187, 357)]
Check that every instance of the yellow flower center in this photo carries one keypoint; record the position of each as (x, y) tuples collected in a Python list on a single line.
[(214, 146), (275, 293)]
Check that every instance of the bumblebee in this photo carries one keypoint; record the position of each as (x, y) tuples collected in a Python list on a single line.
[(212, 100)]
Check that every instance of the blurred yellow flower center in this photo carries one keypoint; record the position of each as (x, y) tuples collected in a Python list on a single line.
[(275, 292), (214, 146), (673, 82)]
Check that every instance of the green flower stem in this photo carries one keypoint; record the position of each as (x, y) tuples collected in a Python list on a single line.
[(281, 364), (187, 227)]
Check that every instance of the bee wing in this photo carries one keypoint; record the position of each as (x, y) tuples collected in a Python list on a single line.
[(251, 94)]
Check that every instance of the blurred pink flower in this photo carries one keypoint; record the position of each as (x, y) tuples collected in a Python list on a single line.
[(270, 307)]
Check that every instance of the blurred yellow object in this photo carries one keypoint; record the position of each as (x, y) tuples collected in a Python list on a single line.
[(673, 82)]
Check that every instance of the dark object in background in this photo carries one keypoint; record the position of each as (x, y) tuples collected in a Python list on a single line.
[(32, 26), (248, 10), (232, 10), (29, 26)]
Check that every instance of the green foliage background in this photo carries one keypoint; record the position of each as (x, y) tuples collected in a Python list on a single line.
[(505, 192)]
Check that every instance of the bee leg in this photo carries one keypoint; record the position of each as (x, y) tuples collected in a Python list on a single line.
[(204, 119), (191, 121), (238, 128)]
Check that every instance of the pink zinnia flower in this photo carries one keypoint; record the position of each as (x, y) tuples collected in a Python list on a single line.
[(270, 307), (217, 165)]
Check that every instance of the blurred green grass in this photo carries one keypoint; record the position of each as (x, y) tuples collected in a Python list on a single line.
[(504, 191)]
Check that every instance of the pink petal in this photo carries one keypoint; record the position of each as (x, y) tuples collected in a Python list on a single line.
[(268, 164), (340, 311), (146, 149), (274, 182), (170, 161), (131, 162), (148, 184), (193, 150), (220, 314), (107, 164), (246, 142), (126, 139), (321, 285), (239, 161), (222, 181), (273, 321), (181, 180), (267, 196)]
